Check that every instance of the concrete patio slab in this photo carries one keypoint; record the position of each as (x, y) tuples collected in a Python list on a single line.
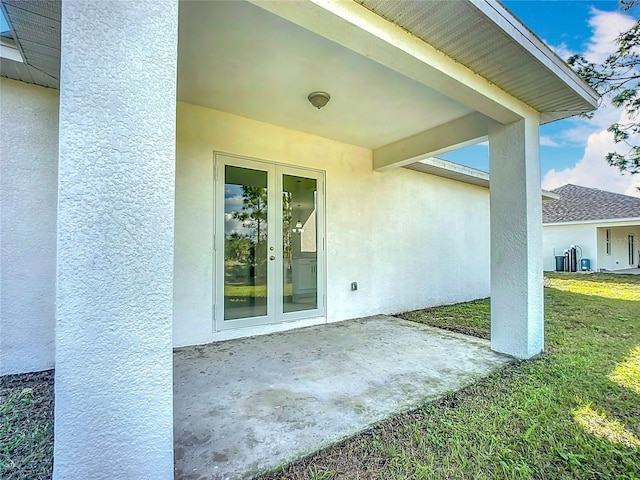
[(626, 271), (242, 407)]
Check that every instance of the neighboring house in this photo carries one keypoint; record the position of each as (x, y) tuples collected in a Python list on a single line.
[(166, 182), (604, 225)]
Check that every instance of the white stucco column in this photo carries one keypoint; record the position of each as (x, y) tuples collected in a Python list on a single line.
[(113, 385), (517, 325)]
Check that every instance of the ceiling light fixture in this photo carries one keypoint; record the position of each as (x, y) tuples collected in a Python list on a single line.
[(319, 99), (298, 228)]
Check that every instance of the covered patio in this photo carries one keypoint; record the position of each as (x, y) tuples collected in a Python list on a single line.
[(246, 406), (168, 112)]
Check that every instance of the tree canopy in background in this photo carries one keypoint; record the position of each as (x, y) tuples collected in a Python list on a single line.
[(618, 77)]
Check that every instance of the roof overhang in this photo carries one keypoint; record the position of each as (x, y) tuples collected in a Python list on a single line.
[(502, 87), (440, 72), (548, 195), (9, 50), (486, 37), (453, 171), (479, 34), (35, 27), (460, 173), (610, 222)]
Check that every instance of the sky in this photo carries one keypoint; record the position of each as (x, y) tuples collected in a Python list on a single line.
[(572, 150)]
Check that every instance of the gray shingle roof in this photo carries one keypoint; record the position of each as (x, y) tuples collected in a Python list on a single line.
[(578, 204)]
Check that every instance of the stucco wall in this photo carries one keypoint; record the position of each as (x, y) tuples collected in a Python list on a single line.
[(557, 238), (618, 259), (410, 240), (28, 196)]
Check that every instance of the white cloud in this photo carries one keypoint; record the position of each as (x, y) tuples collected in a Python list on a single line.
[(547, 141), (593, 170), (580, 128), (561, 50), (606, 26), (233, 203)]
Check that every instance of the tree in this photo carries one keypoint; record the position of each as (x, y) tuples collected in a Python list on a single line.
[(254, 211), (618, 78), (238, 248), (253, 217)]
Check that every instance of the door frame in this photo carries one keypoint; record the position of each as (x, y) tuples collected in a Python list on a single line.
[(275, 276)]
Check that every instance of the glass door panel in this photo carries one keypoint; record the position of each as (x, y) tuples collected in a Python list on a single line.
[(299, 241), (245, 243), (268, 243)]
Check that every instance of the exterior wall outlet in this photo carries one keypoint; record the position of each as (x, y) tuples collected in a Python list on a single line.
[(354, 286)]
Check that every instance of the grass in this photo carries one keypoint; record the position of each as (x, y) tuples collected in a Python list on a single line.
[(26, 426), (620, 287), (253, 291), (474, 317), (572, 412)]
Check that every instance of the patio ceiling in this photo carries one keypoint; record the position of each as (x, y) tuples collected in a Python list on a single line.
[(241, 59)]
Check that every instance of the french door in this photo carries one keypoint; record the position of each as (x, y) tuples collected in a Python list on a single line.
[(269, 242)]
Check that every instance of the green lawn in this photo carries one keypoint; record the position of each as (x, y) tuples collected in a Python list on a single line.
[(573, 412), (26, 426), (253, 291)]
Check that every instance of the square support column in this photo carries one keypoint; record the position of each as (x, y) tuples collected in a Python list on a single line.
[(517, 324), (114, 362)]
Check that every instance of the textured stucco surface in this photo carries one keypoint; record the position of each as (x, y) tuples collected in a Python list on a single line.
[(517, 326), (410, 240), (243, 406), (28, 193), (114, 401)]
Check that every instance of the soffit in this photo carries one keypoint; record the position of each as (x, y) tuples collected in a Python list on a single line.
[(36, 29), (453, 171), (485, 37)]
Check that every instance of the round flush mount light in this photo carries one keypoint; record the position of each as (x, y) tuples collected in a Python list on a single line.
[(319, 99)]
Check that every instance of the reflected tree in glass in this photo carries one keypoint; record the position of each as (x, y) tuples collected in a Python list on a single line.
[(254, 212), (245, 249)]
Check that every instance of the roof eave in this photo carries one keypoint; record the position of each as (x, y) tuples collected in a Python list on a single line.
[(509, 24), (461, 173), (611, 221), (452, 171)]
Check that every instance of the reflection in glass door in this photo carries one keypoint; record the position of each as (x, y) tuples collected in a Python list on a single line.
[(300, 252), (269, 254), (245, 242)]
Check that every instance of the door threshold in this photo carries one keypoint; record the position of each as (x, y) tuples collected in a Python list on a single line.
[(256, 330)]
